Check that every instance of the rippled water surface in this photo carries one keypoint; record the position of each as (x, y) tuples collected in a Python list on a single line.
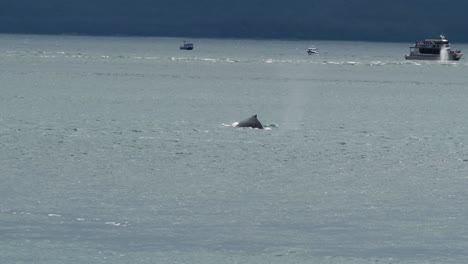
[(119, 150)]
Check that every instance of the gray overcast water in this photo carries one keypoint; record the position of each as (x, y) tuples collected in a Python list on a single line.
[(120, 150)]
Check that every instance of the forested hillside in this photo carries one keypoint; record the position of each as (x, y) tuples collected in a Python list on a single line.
[(297, 19)]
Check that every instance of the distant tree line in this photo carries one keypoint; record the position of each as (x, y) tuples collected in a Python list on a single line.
[(396, 20)]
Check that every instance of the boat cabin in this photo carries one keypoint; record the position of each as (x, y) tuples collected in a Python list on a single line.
[(430, 46)]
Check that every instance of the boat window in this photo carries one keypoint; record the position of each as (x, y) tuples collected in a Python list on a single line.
[(429, 51)]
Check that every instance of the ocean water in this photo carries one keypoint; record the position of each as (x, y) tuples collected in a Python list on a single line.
[(121, 150)]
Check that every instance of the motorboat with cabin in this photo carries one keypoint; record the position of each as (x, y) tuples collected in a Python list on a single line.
[(186, 46), (311, 51), (433, 49)]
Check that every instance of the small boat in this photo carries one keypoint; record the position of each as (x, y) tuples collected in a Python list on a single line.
[(433, 49), (311, 51), (186, 46)]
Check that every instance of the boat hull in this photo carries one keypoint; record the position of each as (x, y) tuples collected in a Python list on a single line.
[(450, 57)]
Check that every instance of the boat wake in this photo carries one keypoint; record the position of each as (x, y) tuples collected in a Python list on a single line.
[(56, 55)]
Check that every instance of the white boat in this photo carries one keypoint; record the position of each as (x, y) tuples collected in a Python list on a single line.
[(186, 46), (433, 49), (311, 51)]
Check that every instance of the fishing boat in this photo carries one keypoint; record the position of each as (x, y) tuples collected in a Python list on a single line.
[(186, 46), (433, 49)]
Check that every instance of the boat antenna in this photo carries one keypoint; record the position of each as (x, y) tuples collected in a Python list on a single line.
[(442, 36)]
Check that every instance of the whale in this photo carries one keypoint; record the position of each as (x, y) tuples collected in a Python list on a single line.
[(251, 122)]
